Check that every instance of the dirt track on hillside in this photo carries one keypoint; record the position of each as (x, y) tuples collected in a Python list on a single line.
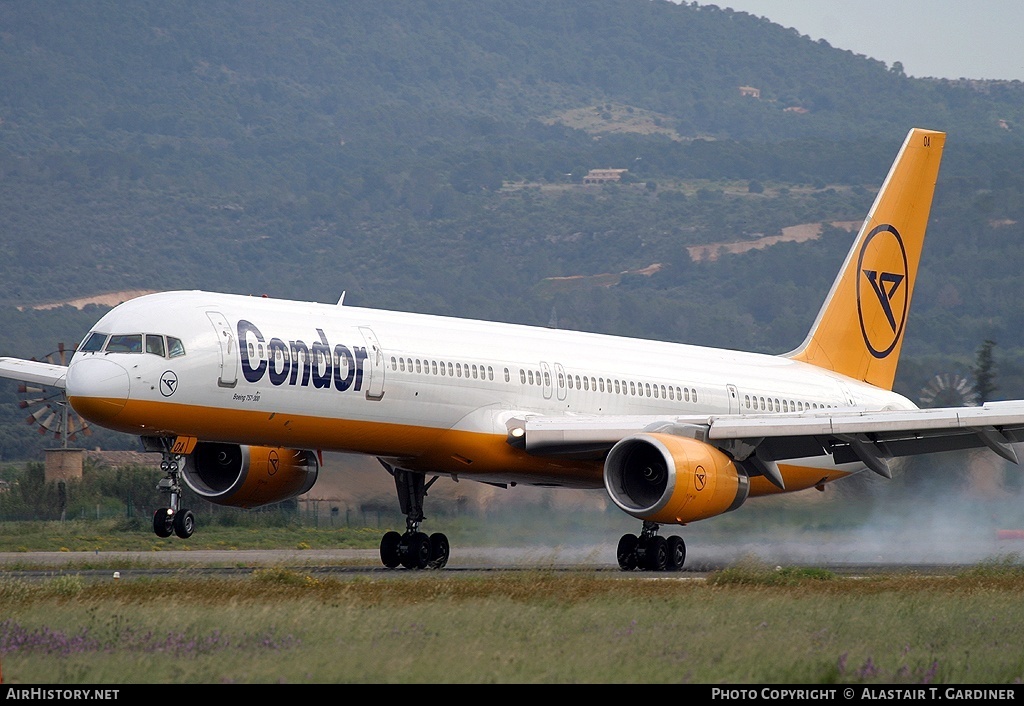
[(792, 234), (108, 299)]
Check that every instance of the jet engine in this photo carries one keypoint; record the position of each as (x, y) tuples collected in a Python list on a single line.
[(249, 476), (672, 479)]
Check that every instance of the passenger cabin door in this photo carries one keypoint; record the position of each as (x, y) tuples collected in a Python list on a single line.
[(375, 362), (734, 399), (560, 381), (847, 395), (547, 384), (228, 346)]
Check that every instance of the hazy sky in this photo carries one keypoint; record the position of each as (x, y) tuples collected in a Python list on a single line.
[(937, 38)]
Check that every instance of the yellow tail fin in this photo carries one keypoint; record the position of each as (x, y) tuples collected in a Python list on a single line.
[(860, 328)]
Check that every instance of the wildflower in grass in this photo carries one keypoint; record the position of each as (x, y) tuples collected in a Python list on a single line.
[(929, 676), (15, 638), (868, 669), (628, 631)]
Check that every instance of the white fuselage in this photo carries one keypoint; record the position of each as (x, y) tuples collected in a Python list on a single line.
[(431, 393)]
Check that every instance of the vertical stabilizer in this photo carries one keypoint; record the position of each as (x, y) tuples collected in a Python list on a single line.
[(860, 328)]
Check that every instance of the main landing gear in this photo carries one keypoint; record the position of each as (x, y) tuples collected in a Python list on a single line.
[(171, 519), (650, 551), (414, 549)]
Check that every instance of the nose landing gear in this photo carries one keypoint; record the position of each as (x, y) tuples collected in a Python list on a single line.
[(172, 519)]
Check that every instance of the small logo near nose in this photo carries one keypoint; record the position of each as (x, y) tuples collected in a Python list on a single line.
[(168, 383)]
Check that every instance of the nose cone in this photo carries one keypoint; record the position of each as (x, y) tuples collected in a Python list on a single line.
[(97, 388)]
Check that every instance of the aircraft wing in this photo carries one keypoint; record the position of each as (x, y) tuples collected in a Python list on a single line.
[(849, 435), (33, 371)]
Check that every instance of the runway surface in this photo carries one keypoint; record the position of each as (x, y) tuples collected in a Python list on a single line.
[(842, 556)]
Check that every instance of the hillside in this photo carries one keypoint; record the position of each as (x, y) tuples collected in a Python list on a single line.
[(430, 157)]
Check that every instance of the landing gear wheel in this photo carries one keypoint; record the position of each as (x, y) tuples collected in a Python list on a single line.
[(170, 519), (626, 552), (163, 522), (439, 549), (656, 554), (184, 523), (389, 544), (676, 553), (417, 550), (414, 549)]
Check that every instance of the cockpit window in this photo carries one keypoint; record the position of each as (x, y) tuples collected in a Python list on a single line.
[(93, 342), (165, 347), (155, 344), (175, 347), (131, 343)]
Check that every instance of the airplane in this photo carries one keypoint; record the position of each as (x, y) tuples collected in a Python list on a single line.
[(241, 395)]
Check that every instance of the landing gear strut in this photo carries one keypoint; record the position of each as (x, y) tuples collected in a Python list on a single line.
[(414, 549), (171, 519), (650, 551)]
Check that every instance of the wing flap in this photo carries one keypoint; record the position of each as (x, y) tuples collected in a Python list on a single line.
[(894, 423), (849, 436)]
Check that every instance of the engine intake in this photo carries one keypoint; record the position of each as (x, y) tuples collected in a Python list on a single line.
[(249, 476), (672, 479)]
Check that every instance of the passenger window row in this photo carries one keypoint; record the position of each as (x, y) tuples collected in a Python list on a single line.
[(770, 404), (440, 367), (630, 387), (536, 377)]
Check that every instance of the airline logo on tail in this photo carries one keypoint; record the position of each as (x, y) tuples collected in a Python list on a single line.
[(871, 295), (882, 291)]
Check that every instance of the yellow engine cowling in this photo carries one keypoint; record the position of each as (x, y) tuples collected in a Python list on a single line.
[(249, 476), (672, 479)]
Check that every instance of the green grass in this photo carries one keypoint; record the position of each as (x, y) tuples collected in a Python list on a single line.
[(122, 535), (286, 626), (744, 624), (750, 572)]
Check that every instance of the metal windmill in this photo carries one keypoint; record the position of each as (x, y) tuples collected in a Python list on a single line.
[(948, 390), (48, 406)]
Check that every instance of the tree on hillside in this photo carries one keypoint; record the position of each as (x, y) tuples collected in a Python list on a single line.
[(984, 372)]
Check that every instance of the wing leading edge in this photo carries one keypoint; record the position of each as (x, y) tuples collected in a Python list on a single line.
[(33, 371)]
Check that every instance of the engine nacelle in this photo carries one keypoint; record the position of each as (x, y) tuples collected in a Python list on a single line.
[(249, 476), (672, 479)]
